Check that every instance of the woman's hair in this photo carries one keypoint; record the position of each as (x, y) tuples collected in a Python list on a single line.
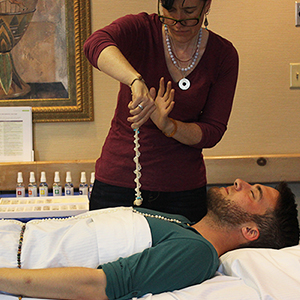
[(278, 228), (167, 4)]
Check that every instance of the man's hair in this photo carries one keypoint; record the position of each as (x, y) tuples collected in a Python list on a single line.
[(278, 228)]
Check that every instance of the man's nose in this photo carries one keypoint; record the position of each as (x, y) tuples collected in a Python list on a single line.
[(239, 184)]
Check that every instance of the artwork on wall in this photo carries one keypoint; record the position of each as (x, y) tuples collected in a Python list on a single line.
[(42, 64)]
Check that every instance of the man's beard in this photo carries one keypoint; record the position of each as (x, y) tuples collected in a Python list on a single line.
[(224, 211)]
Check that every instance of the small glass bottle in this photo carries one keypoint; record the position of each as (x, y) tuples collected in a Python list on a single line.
[(83, 186), (32, 186), (57, 189), (43, 187), (69, 188), (20, 188), (91, 183)]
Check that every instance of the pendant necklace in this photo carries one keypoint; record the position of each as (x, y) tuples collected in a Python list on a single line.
[(183, 83)]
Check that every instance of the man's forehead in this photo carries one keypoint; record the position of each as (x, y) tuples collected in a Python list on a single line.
[(270, 196)]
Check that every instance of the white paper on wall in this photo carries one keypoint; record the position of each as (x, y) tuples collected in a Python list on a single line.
[(16, 134)]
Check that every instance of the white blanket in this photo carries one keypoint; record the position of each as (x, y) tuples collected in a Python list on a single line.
[(86, 240)]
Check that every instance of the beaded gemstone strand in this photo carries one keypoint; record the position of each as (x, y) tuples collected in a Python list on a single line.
[(172, 56)]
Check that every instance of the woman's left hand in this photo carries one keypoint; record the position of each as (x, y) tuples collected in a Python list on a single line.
[(164, 103)]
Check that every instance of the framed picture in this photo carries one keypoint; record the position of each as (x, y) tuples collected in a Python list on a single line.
[(42, 64)]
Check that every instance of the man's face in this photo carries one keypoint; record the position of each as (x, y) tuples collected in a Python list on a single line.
[(236, 204)]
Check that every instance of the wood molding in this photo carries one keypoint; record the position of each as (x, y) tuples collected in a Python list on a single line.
[(220, 169), (253, 168)]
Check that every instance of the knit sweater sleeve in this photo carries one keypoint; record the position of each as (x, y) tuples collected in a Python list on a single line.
[(122, 33), (224, 63)]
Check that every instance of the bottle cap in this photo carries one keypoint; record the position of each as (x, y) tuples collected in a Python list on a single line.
[(31, 177), (83, 177), (68, 177), (43, 176), (20, 177), (92, 177), (56, 177)]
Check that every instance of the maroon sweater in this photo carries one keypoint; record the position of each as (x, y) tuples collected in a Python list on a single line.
[(167, 165)]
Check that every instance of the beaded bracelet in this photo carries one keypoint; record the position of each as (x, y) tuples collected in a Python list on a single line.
[(140, 78), (174, 131)]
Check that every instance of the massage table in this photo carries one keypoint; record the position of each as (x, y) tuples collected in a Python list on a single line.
[(243, 274)]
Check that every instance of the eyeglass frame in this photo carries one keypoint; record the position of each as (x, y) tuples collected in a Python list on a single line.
[(181, 20)]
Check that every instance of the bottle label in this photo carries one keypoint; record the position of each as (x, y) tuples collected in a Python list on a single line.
[(69, 191), (20, 191), (90, 191), (32, 191), (43, 191), (83, 190), (57, 191)]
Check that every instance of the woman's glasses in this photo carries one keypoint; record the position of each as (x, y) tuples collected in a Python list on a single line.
[(184, 22)]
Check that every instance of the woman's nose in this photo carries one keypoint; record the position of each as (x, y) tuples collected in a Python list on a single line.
[(178, 25)]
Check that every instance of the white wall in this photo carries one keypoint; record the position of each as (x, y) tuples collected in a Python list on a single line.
[(265, 117)]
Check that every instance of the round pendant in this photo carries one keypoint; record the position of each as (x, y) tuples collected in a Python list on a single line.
[(184, 84)]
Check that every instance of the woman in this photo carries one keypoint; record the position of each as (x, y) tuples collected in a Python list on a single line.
[(143, 52)]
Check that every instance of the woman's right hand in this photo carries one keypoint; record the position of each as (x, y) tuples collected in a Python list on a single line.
[(142, 105)]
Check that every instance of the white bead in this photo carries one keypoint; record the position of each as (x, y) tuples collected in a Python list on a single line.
[(156, 216)]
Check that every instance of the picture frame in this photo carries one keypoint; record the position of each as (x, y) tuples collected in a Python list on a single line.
[(50, 58)]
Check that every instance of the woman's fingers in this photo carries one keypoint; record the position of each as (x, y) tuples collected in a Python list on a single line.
[(141, 107), (161, 89), (139, 119)]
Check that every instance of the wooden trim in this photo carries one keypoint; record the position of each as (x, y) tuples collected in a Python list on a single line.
[(220, 169), (225, 169)]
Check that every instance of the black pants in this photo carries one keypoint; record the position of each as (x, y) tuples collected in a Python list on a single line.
[(191, 204)]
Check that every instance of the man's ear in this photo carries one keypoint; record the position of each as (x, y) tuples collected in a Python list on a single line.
[(250, 232)]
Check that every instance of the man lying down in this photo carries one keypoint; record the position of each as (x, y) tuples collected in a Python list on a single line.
[(121, 253)]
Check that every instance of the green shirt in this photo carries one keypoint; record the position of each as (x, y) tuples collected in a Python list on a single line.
[(179, 257)]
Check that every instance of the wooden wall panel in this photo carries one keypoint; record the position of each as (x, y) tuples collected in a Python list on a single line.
[(220, 169)]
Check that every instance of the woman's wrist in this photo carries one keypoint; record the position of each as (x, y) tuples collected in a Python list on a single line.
[(171, 132), (138, 78)]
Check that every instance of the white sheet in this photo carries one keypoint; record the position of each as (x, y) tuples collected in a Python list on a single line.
[(274, 274), (218, 288)]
